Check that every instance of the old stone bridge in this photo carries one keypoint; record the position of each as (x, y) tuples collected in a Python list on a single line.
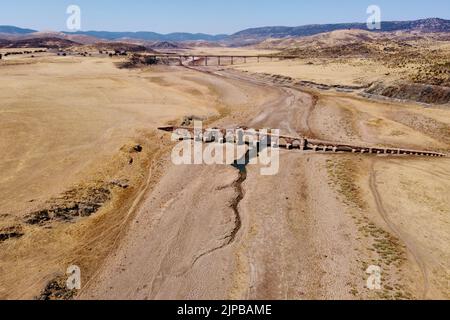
[(291, 143)]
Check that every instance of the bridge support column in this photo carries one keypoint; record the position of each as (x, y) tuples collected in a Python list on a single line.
[(303, 145), (219, 60), (232, 60), (206, 61)]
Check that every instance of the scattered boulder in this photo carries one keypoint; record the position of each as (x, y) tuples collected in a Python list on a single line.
[(74, 204), (124, 184), (10, 233), (138, 148), (38, 218), (188, 120), (57, 290)]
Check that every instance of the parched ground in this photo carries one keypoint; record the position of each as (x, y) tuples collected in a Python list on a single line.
[(211, 232), (309, 232), (71, 173)]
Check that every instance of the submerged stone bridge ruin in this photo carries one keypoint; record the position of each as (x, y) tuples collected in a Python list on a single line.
[(291, 143)]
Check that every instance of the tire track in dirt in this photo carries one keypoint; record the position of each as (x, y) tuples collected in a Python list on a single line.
[(137, 202), (292, 97), (410, 246), (289, 93), (435, 173)]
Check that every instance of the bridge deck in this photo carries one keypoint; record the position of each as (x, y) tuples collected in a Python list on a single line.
[(220, 58), (177, 55)]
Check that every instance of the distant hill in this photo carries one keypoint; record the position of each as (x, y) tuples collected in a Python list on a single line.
[(248, 36), (346, 37), (75, 37), (259, 34), (15, 30), (51, 43), (117, 46), (164, 45), (151, 36)]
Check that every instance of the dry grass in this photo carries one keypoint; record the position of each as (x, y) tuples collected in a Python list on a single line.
[(67, 133), (84, 242), (344, 177), (383, 249)]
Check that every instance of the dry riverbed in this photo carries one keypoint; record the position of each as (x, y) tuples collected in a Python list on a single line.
[(160, 231)]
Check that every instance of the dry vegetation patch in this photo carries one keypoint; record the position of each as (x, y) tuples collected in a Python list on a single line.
[(382, 249)]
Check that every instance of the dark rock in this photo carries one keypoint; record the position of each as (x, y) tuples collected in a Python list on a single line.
[(71, 205), (137, 148), (187, 121), (10, 233), (121, 183), (39, 217), (57, 290)]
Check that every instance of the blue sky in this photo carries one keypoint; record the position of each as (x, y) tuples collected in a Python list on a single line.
[(208, 16)]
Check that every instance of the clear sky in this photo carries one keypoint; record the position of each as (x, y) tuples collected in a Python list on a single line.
[(208, 16)]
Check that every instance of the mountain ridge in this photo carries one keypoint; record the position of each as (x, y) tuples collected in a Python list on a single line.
[(15, 30), (255, 34), (261, 33), (151, 36)]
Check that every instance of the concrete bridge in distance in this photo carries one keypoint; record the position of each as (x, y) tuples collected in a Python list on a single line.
[(206, 60)]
